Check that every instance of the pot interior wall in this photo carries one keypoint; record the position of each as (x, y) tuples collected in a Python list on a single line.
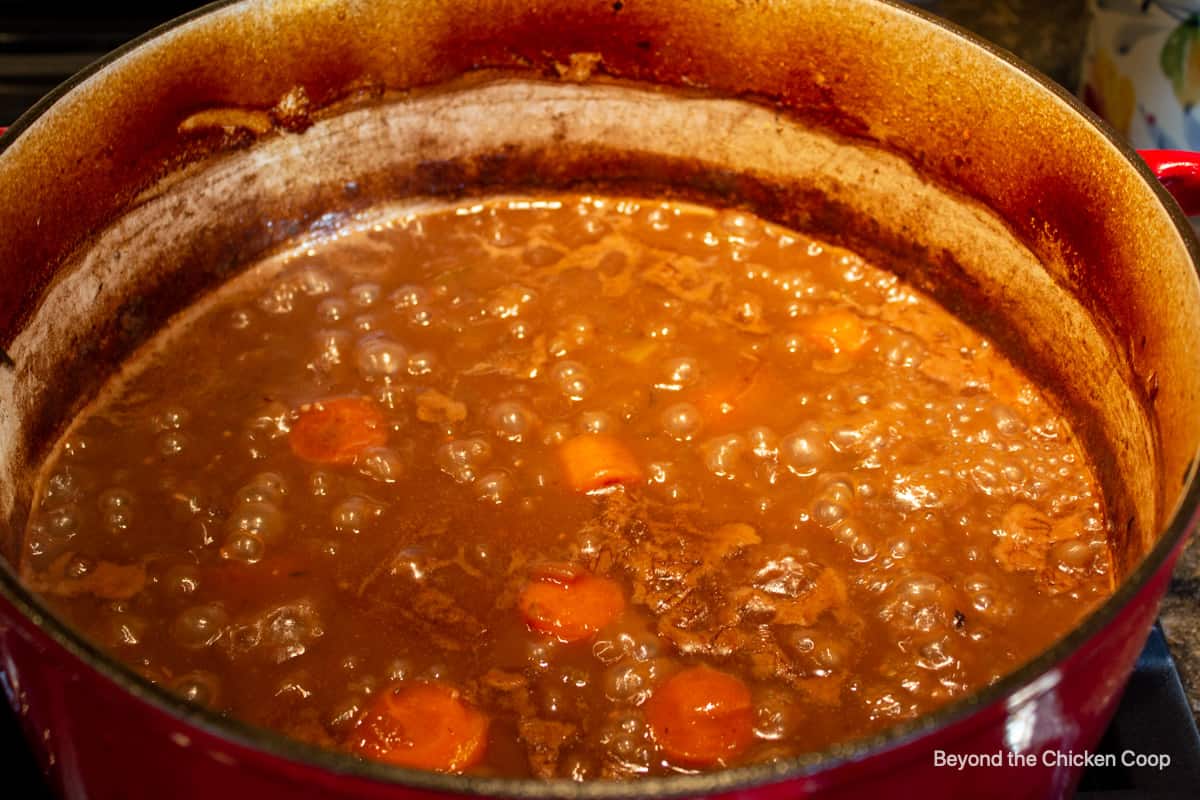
[(212, 143), (503, 133)]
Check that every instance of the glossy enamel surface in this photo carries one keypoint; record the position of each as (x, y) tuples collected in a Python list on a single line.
[(244, 126)]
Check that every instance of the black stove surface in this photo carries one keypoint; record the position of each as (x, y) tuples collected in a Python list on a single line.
[(1154, 717), (42, 44)]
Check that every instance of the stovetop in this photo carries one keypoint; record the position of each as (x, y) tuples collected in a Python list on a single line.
[(1154, 717), (42, 44)]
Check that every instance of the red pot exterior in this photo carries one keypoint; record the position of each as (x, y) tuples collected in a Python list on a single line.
[(1179, 171), (96, 741)]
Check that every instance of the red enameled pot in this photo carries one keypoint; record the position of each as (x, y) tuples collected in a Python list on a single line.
[(158, 172)]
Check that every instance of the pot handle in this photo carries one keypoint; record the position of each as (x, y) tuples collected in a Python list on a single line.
[(1179, 171)]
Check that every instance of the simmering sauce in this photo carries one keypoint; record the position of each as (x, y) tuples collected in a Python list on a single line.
[(571, 487)]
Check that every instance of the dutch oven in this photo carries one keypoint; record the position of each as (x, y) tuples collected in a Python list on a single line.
[(161, 170)]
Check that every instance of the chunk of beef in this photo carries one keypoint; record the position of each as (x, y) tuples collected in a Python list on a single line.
[(544, 741), (105, 579)]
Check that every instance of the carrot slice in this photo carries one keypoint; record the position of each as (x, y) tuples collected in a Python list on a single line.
[(570, 607), (701, 717), (336, 430), (593, 461), (423, 726), (836, 331), (726, 399)]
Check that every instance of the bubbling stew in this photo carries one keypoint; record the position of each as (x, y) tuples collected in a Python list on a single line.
[(576, 487)]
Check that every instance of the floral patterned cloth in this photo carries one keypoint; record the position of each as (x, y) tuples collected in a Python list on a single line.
[(1141, 71)]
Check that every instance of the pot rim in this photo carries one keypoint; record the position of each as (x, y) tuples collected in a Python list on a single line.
[(271, 743)]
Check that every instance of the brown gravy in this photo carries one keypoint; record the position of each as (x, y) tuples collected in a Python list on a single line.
[(604, 487)]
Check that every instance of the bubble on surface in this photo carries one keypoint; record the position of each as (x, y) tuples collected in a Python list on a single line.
[(725, 455), (511, 419), (494, 487), (682, 421), (264, 520), (380, 357), (409, 296), (200, 626), (461, 459), (354, 514), (381, 464), (804, 451), (365, 295), (679, 373)]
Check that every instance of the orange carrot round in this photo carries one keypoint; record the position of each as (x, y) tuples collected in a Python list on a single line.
[(593, 461), (423, 726), (837, 331), (701, 717), (726, 399), (570, 607), (336, 430)]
